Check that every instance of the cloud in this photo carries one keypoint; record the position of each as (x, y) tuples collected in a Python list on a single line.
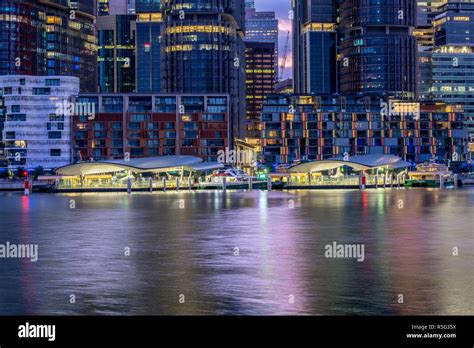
[(281, 8), (284, 25)]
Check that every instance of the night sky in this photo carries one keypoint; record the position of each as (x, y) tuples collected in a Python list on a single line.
[(282, 8)]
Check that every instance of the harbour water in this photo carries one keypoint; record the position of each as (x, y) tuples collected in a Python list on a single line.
[(239, 253)]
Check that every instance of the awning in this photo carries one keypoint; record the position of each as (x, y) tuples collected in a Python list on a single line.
[(139, 165), (358, 163)]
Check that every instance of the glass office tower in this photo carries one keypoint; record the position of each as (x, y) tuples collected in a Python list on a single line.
[(112, 7), (424, 33), (315, 46), (262, 27), (203, 51), (116, 34), (453, 58), (260, 82), (148, 45), (40, 37), (378, 50)]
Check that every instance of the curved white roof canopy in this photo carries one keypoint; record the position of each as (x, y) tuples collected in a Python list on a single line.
[(358, 163), (139, 165)]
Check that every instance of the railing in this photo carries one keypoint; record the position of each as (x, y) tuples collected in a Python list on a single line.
[(135, 184), (348, 181), (158, 184), (217, 183)]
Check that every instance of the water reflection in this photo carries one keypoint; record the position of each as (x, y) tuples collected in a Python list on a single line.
[(240, 253)]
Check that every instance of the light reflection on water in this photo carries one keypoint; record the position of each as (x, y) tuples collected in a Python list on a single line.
[(408, 235)]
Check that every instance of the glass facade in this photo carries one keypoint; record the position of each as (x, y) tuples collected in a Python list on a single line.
[(315, 41), (262, 27), (147, 6), (148, 45), (260, 81), (116, 53), (378, 50), (424, 34), (452, 65), (148, 57), (320, 57), (203, 51), (454, 85), (455, 24), (39, 38), (3, 113)]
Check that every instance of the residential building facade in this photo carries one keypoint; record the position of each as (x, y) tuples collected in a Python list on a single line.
[(37, 127), (304, 127), (150, 125)]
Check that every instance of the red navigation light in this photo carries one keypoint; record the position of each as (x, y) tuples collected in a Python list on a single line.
[(25, 173)]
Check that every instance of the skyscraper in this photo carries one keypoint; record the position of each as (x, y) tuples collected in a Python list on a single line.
[(116, 51), (203, 51), (260, 81), (424, 33), (113, 7), (378, 50), (315, 42), (49, 37), (148, 46), (453, 58), (262, 27)]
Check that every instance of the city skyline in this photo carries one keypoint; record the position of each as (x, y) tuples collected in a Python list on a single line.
[(155, 162)]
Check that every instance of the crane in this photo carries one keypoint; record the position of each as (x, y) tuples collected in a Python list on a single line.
[(285, 56)]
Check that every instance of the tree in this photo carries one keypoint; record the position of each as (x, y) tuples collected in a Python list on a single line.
[(20, 172), (4, 173), (37, 172)]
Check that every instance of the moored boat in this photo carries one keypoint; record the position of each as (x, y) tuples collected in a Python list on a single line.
[(429, 174)]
